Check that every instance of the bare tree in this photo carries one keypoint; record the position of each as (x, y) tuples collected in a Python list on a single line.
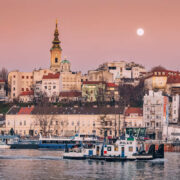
[(4, 74), (45, 118), (158, 68), (106, 125)]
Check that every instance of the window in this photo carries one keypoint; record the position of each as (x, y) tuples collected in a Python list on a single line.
[(14, 89), (56, 122), (24, 123), (116, 148), (45, 87), (22, 77), (130, 149), (56, 60), (27, 77), (157, 124), (72, 123), (54, 87), (94, 131), (147, 124), (22, 89), (20, 123)]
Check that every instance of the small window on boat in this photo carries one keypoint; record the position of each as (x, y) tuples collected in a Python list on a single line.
[(130, 149), (116, 148), (109, 148)]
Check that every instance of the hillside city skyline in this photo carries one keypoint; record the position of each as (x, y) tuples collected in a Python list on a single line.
[(91, 33)]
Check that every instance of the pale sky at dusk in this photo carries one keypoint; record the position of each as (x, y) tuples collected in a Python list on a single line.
[(91, 32)]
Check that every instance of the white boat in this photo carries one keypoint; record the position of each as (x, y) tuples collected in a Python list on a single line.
[(125, 148), (3, 145), (65, 142)]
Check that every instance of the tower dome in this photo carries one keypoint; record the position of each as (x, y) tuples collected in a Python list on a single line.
[(65, 66)]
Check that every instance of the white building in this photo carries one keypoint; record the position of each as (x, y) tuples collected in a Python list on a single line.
[(123, 69), (175, 108), (51, 85), (2, 90), (172, 132), (155, 113)]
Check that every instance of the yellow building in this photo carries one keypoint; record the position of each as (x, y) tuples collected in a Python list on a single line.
[(158, 79), (56, 52), (65, 121), (19, 82), (69, 81)]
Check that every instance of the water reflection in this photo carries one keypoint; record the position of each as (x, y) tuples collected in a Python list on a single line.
[(35, 164)]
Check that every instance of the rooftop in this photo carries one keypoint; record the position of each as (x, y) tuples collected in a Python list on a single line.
[(27, 93), (66, 110), (111, 85), (70, 94), (25, 110), (94, 82), (133, 110), (2, 81), (51, 76)]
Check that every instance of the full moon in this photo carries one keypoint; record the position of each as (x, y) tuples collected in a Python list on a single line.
[(140, 32)]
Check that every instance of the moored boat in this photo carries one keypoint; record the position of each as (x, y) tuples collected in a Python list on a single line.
[(60, 143), (125, 148), (3, 145)]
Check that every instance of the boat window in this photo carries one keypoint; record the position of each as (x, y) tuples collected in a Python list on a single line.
[(109, 148), (130, 149), (116, 148)]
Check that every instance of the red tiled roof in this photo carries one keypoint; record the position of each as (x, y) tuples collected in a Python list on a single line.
[(25, 110), (173, 79), (2, 80), (162, 72), (70, 94), (111, 85), (27, 93), (133, 110), (93, 82), (51, 76)]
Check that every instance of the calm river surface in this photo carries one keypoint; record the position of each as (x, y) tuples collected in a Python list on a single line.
[(45, 165)]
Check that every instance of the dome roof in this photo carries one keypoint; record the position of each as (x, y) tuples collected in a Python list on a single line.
[(65, 61)]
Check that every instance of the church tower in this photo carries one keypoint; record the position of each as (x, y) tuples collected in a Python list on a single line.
[(56, 51)]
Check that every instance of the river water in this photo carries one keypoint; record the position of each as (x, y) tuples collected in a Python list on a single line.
[(49, 165)]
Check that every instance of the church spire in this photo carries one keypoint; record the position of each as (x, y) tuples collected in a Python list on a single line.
[(56, 42)]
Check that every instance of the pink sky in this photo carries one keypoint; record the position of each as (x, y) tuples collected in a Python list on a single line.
[(91, 32)]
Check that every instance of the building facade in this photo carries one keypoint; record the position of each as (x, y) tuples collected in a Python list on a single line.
[(134, 118), (155, 113), (2, 90), (105, 121)]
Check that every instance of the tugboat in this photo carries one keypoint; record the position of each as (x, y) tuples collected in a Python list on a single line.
[(125, 148)]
